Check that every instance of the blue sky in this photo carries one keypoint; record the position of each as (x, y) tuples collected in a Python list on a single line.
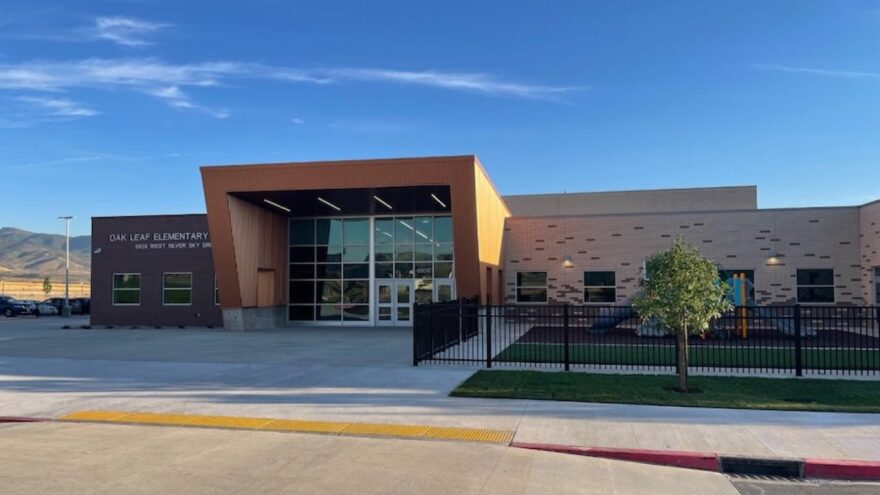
[(109, 108)]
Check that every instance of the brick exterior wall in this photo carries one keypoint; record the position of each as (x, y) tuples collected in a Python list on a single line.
[(870, 246), (744, 240), (116, 249)]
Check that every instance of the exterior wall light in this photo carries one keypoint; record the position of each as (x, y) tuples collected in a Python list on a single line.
[(383, 202), (331, 205), (566, 262), (773, 259), (276, 205)]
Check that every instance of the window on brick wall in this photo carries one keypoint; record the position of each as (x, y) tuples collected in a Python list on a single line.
[(531, 287), (815, 285), (126, 289), (176, 289), (600, 287)]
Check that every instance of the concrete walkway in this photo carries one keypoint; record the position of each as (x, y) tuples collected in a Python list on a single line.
[(359, 376), (722, 431), (81, 458)]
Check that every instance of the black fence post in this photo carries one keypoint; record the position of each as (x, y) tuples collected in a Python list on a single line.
[(415, 336), (798, 348), (432, 315), (675, 351), (565, 327), (488, 335), (460, 324)]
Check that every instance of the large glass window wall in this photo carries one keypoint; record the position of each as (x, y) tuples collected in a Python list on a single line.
[(333, 262)]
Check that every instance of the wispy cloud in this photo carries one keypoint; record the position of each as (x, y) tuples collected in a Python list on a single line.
[(844, 74), (53, 163), (144, 71), (298, 121), (97, 72), (146, 75), (126, 31), (65, 157), (178, 99), (172, 82), (61, 107), (455, 81), (475, 82)]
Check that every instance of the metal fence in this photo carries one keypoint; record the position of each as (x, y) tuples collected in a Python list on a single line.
[(445, 326), (795, 340)]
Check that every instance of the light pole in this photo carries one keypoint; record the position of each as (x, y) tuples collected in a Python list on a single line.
[(65, 312)]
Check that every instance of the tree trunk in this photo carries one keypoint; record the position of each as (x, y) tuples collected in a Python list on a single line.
[(683, 360)]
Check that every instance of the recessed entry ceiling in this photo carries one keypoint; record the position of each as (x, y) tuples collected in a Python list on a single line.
[(344, 202)]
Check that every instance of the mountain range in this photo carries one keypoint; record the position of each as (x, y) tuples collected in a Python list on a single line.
[(30, 254)]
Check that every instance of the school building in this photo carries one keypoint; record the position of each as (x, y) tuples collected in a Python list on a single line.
[(359, 242)]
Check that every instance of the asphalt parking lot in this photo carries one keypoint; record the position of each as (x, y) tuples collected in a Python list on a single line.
[(312, 373)]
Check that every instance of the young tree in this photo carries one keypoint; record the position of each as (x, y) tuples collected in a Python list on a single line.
[(682, 293), (47, 286)]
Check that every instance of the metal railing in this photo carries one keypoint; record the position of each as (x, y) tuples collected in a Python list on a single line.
[(750, 340)]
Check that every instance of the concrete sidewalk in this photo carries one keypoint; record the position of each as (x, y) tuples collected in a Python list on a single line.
[(722, 431), (342, 376), (51, 387), (82, 458)]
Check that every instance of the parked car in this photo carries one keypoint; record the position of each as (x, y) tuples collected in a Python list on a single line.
[(32, 305), (46, 309), (55, 302), (58, 302), (10, 306), (84, 304), (39, 309)]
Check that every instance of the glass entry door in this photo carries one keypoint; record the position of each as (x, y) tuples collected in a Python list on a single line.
[(444, 289), (394, 302)]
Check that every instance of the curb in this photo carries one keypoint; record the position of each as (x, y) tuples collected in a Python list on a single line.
[(690, 460), (22, 419), (836, 468), (806, 468)]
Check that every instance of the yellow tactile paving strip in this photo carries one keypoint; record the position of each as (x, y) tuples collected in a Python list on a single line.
[(299, 426)]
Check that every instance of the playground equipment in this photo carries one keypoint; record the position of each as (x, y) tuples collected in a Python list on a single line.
[(651, 328), (609, 318), (740, 287), (738, 294), (782, 324)]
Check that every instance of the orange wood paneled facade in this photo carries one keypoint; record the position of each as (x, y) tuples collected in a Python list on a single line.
[(259, 239), (246, 237), (266, 281), (491, 213)]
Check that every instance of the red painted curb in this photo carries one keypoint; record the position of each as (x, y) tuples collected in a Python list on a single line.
[(690, 460), (22, 419), (833, 468)]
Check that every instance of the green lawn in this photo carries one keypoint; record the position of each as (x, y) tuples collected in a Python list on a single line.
[(664, 355), (728, 392)]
